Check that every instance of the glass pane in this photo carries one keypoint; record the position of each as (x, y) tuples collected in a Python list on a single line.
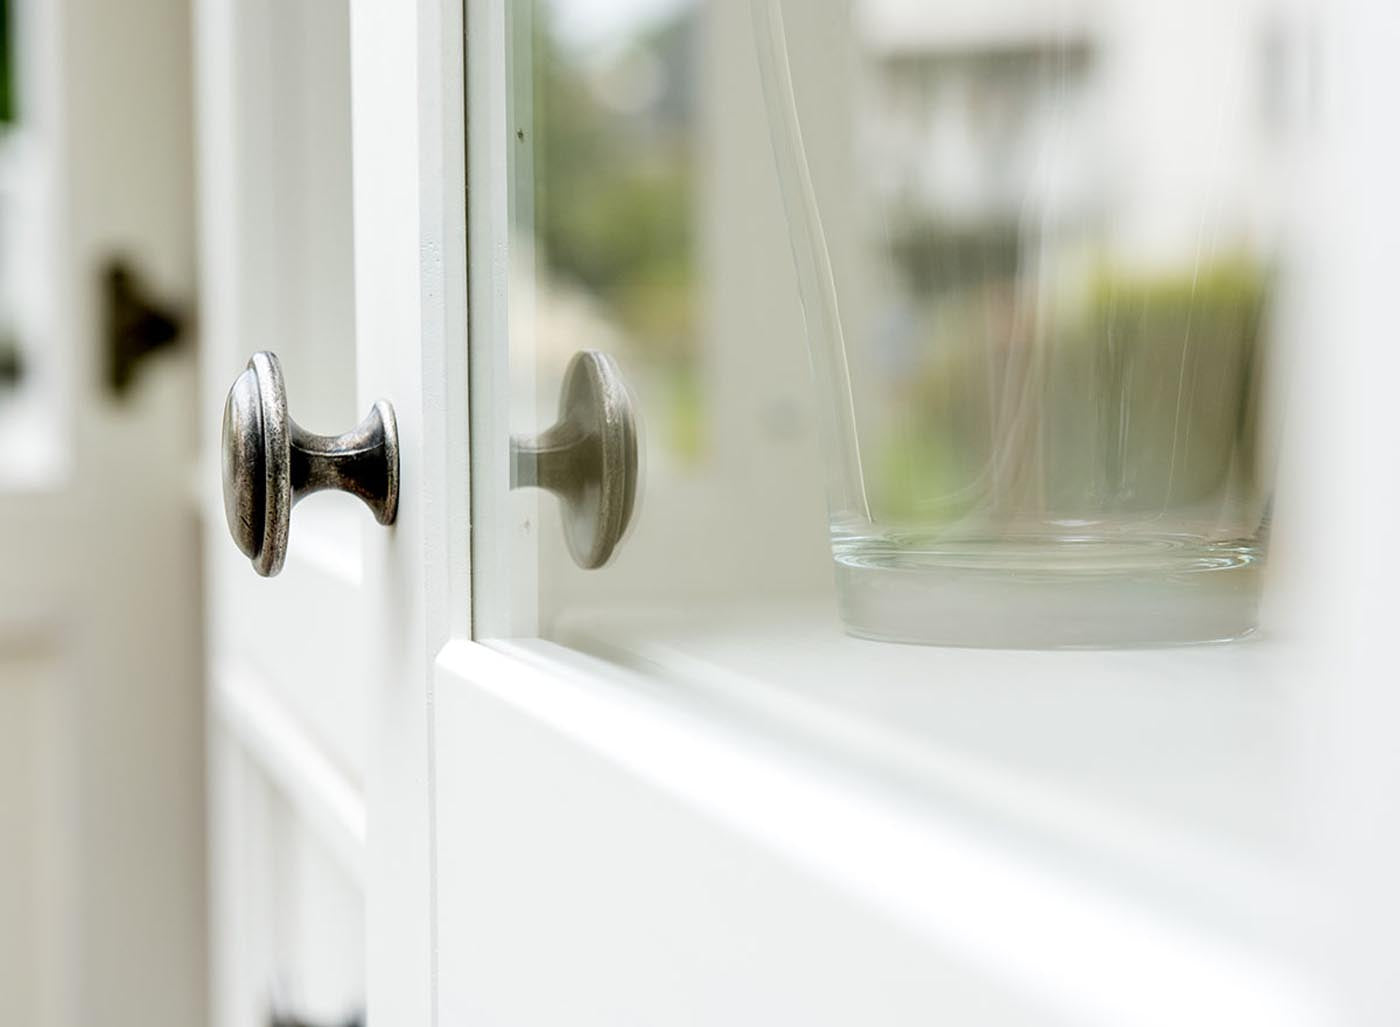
[(35, 415), (647, 224), (1044, 273), (1039, 266)]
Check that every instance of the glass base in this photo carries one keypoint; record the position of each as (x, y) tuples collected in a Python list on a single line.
[(1049, 594)]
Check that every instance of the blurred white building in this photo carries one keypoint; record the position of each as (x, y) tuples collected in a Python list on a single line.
[(1131, 123)]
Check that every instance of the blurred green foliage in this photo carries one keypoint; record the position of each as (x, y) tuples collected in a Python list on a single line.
[(1140, 395), (7, 66), (1180, 356), (615, 201)]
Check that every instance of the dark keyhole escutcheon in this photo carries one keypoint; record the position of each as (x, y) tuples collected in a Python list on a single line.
[(135, 326)]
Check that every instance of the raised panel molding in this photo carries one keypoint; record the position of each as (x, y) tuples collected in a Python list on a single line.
[(320, 791)]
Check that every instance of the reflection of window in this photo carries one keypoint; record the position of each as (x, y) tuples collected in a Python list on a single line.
[(614, 137), (1066, 217), (964, 130)]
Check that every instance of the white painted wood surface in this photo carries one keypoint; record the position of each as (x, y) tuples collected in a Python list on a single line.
[(332, 137), (1346, 438), (745, 818), (749, 821), (693, 822), (1182, 764), (101, 834), (667, 859)]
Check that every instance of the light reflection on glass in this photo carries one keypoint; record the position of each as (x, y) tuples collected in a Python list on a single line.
[(1058, 232)]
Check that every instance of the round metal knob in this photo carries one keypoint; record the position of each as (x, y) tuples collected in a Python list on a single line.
[(588, 458), (270, 462)]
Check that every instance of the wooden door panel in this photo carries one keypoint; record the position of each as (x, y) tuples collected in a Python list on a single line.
[(289, 881), (310, 646), (577, 888), (291, 658), (280, 239), (322, 242), (101, 838), (37, 816)]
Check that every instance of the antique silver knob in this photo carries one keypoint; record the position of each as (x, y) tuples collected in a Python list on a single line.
[(588, 458), (270, 462)]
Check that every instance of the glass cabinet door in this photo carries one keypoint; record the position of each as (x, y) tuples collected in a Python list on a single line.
[(641, 218), (1064, 252), (1054, 251)]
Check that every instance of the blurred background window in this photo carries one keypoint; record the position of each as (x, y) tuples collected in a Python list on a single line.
[(1030, 207), (615, 154), (10, 360), (34, 418)]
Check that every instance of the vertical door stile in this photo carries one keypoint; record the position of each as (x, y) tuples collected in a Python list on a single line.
[(409, 216), (504, 572), (384, 70)]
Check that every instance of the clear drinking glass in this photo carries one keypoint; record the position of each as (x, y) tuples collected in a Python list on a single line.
[(1041, 246)]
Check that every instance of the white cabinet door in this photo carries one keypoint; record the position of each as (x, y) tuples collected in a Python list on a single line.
[(101, 804), (320, 158), (671, 791), (460, 780)]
